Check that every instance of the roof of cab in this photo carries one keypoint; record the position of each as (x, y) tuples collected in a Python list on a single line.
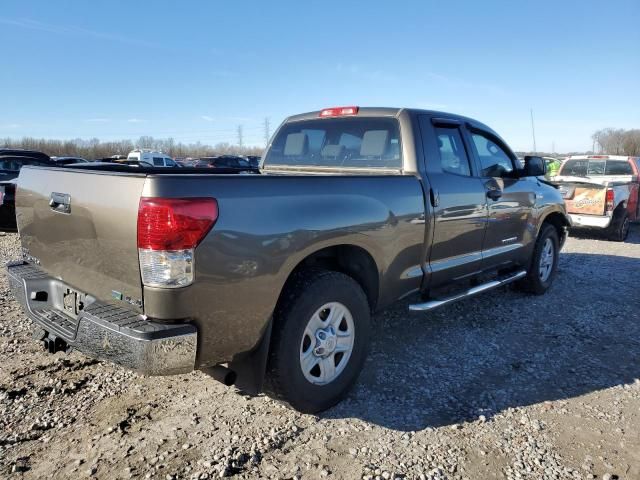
[(395, 112)]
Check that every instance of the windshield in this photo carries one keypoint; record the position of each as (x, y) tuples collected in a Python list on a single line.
[(338, 142), (592, 167)]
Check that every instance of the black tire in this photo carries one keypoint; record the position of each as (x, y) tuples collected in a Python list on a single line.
[(533, 282), (619, 228), (306, 294)]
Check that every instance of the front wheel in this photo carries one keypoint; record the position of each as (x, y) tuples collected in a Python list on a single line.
[(544, 263), (320, 340)]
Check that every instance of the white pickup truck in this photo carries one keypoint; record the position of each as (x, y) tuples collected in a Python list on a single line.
[(601, 191)]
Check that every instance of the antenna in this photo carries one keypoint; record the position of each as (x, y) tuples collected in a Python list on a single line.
[(533, 133)]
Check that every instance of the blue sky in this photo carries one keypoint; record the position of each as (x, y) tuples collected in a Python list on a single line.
[(195, 70)]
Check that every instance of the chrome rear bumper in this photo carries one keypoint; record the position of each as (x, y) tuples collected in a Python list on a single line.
[(104, 331)]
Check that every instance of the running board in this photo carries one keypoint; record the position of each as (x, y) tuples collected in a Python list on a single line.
[(431, 304)]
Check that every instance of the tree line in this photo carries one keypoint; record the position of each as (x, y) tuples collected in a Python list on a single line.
[(617, 141), (94, 149)]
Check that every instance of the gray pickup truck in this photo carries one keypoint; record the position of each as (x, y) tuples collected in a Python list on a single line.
[(268, 281)]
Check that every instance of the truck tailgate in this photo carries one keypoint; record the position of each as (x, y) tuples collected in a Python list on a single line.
[(80, 227), (583, 198)]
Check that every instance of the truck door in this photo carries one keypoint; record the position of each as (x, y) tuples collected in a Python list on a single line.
[(511, 201), (458, 199)]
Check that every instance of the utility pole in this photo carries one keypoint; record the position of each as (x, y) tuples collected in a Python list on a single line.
[(267, 131), (533, 132), (240, 143)]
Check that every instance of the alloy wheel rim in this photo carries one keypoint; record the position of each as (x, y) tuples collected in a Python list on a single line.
[(327, 343), (547, 258)]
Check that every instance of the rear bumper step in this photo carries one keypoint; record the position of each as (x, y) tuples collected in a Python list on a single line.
[(104, 331), (431, 304)]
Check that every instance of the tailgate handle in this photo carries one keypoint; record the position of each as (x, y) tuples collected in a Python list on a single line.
[(60, 202)]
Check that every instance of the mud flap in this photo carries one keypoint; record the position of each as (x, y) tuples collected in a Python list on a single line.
[(251, 367)]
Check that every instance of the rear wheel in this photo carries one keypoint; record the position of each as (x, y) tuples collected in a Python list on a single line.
[(543, 266), (320, 340), (619, 229)]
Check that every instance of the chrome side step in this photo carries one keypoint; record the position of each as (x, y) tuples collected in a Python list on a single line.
[(431, 304)]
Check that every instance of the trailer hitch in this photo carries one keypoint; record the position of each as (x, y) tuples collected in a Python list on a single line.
[(52, 343)]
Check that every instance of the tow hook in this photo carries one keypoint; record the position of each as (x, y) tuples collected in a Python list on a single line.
[(53, 344)]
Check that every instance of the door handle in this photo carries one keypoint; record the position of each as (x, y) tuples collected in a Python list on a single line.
[(494, 193)]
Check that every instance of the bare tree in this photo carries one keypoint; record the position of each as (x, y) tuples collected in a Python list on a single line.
[(95, 149), (631, 142), (616, 141)]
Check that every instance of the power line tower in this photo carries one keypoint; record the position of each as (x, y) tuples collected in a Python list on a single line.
[(240, 139), (267, 131)]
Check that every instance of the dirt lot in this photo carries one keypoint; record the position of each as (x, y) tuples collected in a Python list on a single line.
[(501, 386)]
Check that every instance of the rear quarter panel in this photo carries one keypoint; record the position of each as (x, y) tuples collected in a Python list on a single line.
[(267, 225)]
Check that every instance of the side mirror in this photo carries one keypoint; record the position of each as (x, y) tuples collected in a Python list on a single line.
[(534, 166)]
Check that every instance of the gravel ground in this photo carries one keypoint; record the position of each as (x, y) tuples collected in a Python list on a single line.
[(501, 386)]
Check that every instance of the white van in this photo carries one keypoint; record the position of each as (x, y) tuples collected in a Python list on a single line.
[(157, 159)]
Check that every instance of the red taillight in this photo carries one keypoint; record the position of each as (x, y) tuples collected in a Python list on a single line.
[(609, 200), (174, 223), (338, 111)]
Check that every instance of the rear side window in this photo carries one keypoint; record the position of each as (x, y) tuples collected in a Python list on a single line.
[(338, 142), (453, 156), (494, 160), (158, 161)]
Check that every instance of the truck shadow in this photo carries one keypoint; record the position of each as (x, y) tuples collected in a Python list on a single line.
[(504, 349), (593, 234)]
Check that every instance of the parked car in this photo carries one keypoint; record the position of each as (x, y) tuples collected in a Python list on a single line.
[(601, 191), (11, 161), (358, 207), (157, 159), (68, 160), (225, 161), (254, 160)]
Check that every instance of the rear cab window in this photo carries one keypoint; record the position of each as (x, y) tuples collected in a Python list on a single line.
[(353, 142), (595, 167)]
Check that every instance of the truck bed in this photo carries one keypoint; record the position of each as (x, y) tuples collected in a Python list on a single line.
[(266, 225)]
